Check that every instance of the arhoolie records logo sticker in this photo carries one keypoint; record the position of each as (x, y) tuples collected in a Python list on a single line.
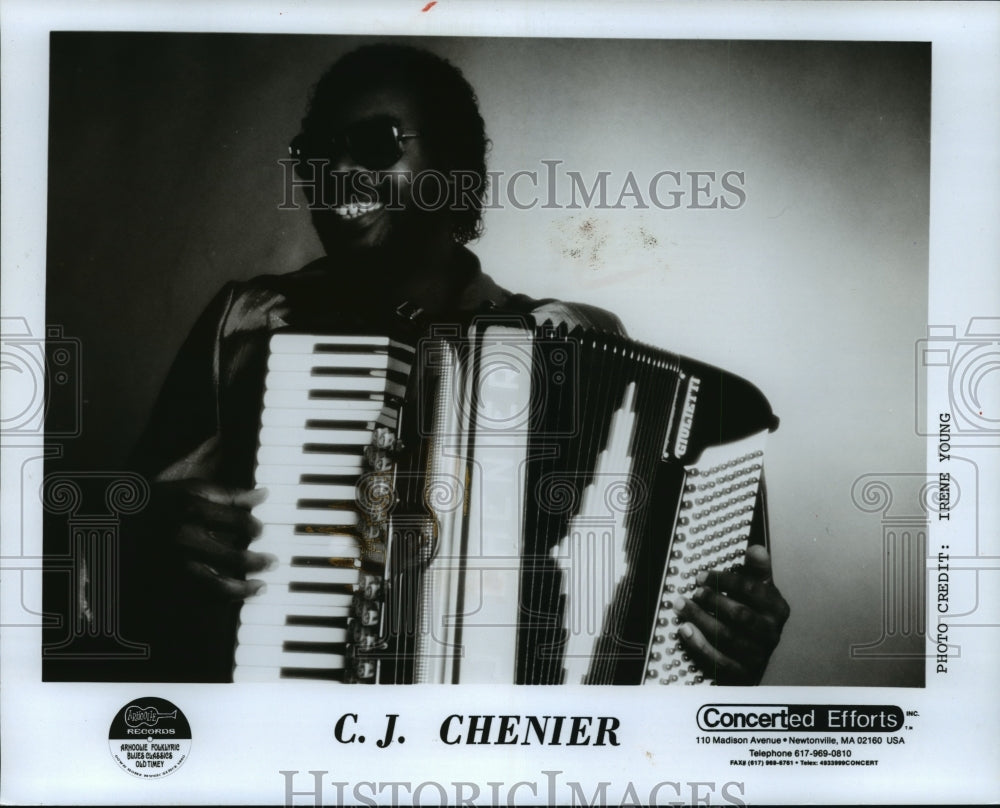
[(150, 737)]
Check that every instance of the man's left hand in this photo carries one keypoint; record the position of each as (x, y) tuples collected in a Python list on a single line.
[(732, 622)]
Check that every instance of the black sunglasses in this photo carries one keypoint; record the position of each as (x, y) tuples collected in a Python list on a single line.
[(374, 143)]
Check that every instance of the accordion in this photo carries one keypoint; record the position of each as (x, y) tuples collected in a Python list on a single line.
[(506, 503)]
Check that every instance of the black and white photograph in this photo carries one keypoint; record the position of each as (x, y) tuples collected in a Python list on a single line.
[(757, 211), (438, 353)]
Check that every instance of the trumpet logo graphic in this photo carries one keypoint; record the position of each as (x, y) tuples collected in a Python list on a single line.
[(145, 716)]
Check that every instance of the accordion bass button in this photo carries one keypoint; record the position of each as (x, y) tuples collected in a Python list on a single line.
[(364, 669), (362, 636), (367, 613), (383, 438), (371, 586), (378, 461)]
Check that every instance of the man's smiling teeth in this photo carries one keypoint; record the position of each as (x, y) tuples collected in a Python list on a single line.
[(356, 209)]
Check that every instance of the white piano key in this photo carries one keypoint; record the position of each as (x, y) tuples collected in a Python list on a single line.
[(315, 462), (277, 494), (267, 476), (298, 436), (313, 538), (250, 634), (347, 559), (369, 413), (274, 657), (273, 614), (307, 343), (300, 399), (306, 545), (286, 573), (306, 363), (350, 384), (290, 515), (278, 594), (244, 674)]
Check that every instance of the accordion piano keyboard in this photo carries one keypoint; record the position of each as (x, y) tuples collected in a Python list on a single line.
[(327, 400), (712, 532)]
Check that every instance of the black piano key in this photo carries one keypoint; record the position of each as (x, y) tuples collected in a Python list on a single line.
[(328, 479), (302, 647), (353, 395), (321, 588), (315, 620), (329, 675), (325, 561), (332, 504), (326, 530), (333, 448), (321, 423)]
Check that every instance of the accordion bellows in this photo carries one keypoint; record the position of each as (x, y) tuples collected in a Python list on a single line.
[(514, 503)]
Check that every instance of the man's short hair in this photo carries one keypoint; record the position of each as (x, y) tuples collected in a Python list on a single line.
[(454, 132)]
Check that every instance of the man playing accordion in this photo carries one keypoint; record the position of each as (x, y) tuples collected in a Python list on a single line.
[(383, 120)]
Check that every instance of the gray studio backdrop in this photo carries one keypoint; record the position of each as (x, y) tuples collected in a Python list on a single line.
[(164, 184)]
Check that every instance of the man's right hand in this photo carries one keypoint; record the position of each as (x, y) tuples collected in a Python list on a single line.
[(205, 528)]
